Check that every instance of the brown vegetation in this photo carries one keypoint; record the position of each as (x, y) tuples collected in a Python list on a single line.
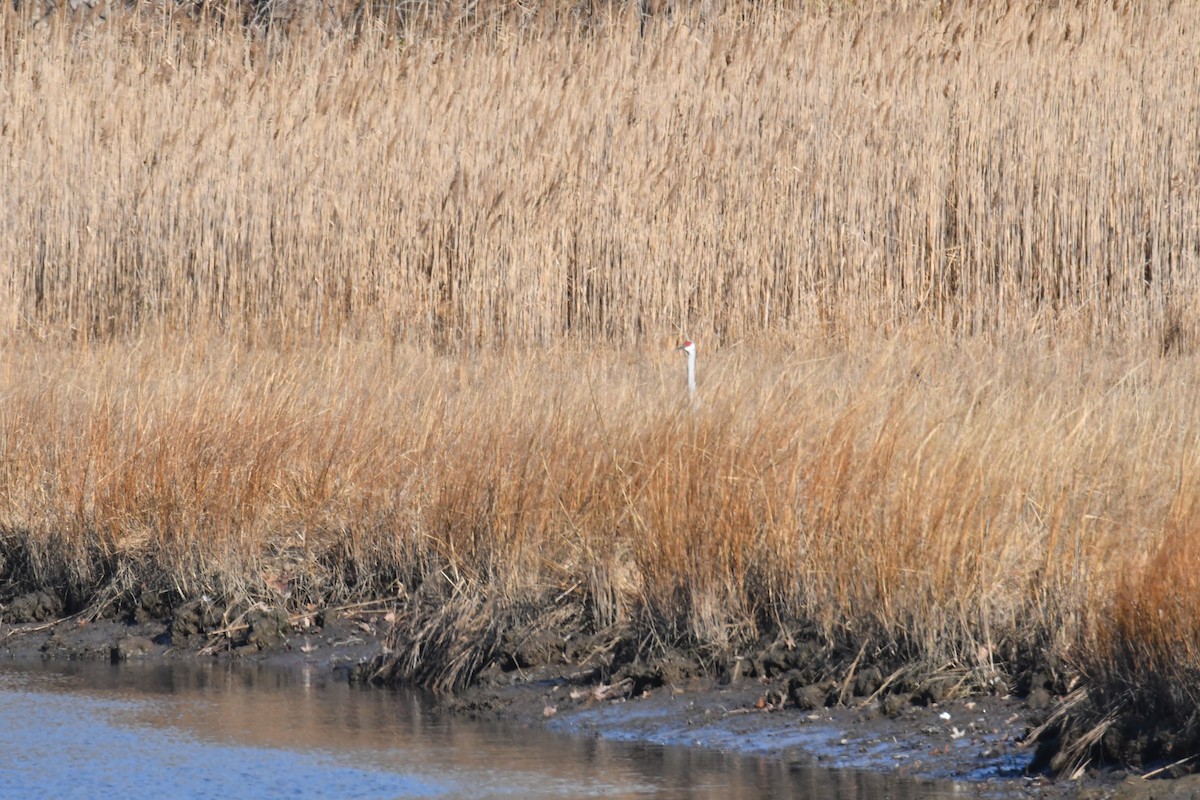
[(369, 314)]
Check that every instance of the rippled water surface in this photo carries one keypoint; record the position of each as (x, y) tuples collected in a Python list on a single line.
[(225, 730)]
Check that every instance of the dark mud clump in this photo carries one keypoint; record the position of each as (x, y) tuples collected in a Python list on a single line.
[(266, 628), (244, 627), (39, 606), (194, 620), (37, 625), (131, 647)]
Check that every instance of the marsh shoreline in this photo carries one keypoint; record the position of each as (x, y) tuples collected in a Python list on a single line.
[(387, 312), (976, 741)]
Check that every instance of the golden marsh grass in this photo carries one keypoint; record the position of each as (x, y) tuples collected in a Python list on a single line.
[(392, 315), (985, 173), (962, 503)]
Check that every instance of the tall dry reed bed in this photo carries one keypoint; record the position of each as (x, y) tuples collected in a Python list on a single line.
[(991, 169), (373, 315)]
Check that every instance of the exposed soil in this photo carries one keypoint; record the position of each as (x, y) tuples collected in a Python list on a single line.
[(342, 639), (868, 721), (980, 742)]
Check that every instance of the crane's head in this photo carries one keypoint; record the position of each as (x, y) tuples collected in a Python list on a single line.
[(688, 348)]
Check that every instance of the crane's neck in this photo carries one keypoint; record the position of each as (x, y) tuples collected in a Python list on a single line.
[(691, 366)]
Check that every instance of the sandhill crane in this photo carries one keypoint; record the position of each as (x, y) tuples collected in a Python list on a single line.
[(689, 350)]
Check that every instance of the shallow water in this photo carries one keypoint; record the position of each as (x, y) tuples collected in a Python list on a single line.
[(220, 730)]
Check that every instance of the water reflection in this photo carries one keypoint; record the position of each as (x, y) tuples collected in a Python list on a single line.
[(219, 730)]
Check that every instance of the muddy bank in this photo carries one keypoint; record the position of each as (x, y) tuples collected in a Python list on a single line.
[(768, 704), (979, 741), (795, 697), (343, 639)]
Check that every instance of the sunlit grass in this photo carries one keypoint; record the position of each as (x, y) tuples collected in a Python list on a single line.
[(961, 503), (986, 173)]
